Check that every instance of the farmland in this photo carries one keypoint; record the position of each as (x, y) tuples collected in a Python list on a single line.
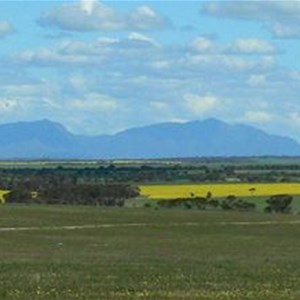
[(218, 190), (146, 254), (130, 250)]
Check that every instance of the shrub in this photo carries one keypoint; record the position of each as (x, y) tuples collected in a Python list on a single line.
[(279, 203), (232, 203)]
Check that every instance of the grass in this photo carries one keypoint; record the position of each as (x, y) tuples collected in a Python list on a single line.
[(170, 191), (167, 259)]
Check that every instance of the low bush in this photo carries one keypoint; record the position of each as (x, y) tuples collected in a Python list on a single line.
[(279, 204)]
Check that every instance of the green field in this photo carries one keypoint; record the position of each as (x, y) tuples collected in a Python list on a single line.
[(133, 253)]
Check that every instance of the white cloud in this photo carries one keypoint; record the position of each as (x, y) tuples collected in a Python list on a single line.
[(294, 119), (201, 44), (146, 12), (256, 80), (93, 15), (160, 64), (28, 90), (145, 18), (159, 105), (48, 57), (134, 36), (251, 46), (104, 52), (255, 10), (78, 82), (5, 29), (8, 105), (161, 111), (52, 104), (88, 6), (95, 103), (240, 46), (285, 31), (223, 62), (200, 105), (257, 117), (282, 18), (141, 53)]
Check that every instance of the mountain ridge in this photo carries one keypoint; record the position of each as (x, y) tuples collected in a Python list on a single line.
[(210, 137)]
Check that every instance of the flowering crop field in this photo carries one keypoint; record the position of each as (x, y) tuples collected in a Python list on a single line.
[(218, 190), (136, 253)]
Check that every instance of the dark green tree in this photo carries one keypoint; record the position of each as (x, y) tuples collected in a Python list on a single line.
[(279, 203)]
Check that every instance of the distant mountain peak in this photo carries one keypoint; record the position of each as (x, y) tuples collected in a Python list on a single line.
[(213, 121), (46, 122), (50, 124), (210, 137)]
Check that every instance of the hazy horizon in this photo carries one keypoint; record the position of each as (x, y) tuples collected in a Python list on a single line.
[(99, 67)]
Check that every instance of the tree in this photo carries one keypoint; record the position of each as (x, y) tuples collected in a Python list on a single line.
[(252, 190), (18, 195), (209, 195), (233, 203), (279, 203), (228, 202)]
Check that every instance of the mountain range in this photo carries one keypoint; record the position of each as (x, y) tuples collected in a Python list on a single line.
[(45, 139)]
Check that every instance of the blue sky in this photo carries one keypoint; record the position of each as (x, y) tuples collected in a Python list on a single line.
[(103, 66)]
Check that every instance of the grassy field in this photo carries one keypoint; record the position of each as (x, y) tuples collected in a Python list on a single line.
[(147, 254), (164, 191)]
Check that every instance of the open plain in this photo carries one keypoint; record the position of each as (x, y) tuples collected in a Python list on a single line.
[(78, 252)]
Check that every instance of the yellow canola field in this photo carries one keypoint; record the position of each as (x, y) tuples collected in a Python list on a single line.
[(218, 190)]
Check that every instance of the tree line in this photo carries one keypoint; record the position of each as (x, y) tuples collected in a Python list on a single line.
[(135, 174), (275, 204), (71, 193)]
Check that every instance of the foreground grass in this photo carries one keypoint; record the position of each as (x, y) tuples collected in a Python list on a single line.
[(165, 257)]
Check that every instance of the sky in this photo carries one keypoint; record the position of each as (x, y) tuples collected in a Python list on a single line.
[(103, 66)]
